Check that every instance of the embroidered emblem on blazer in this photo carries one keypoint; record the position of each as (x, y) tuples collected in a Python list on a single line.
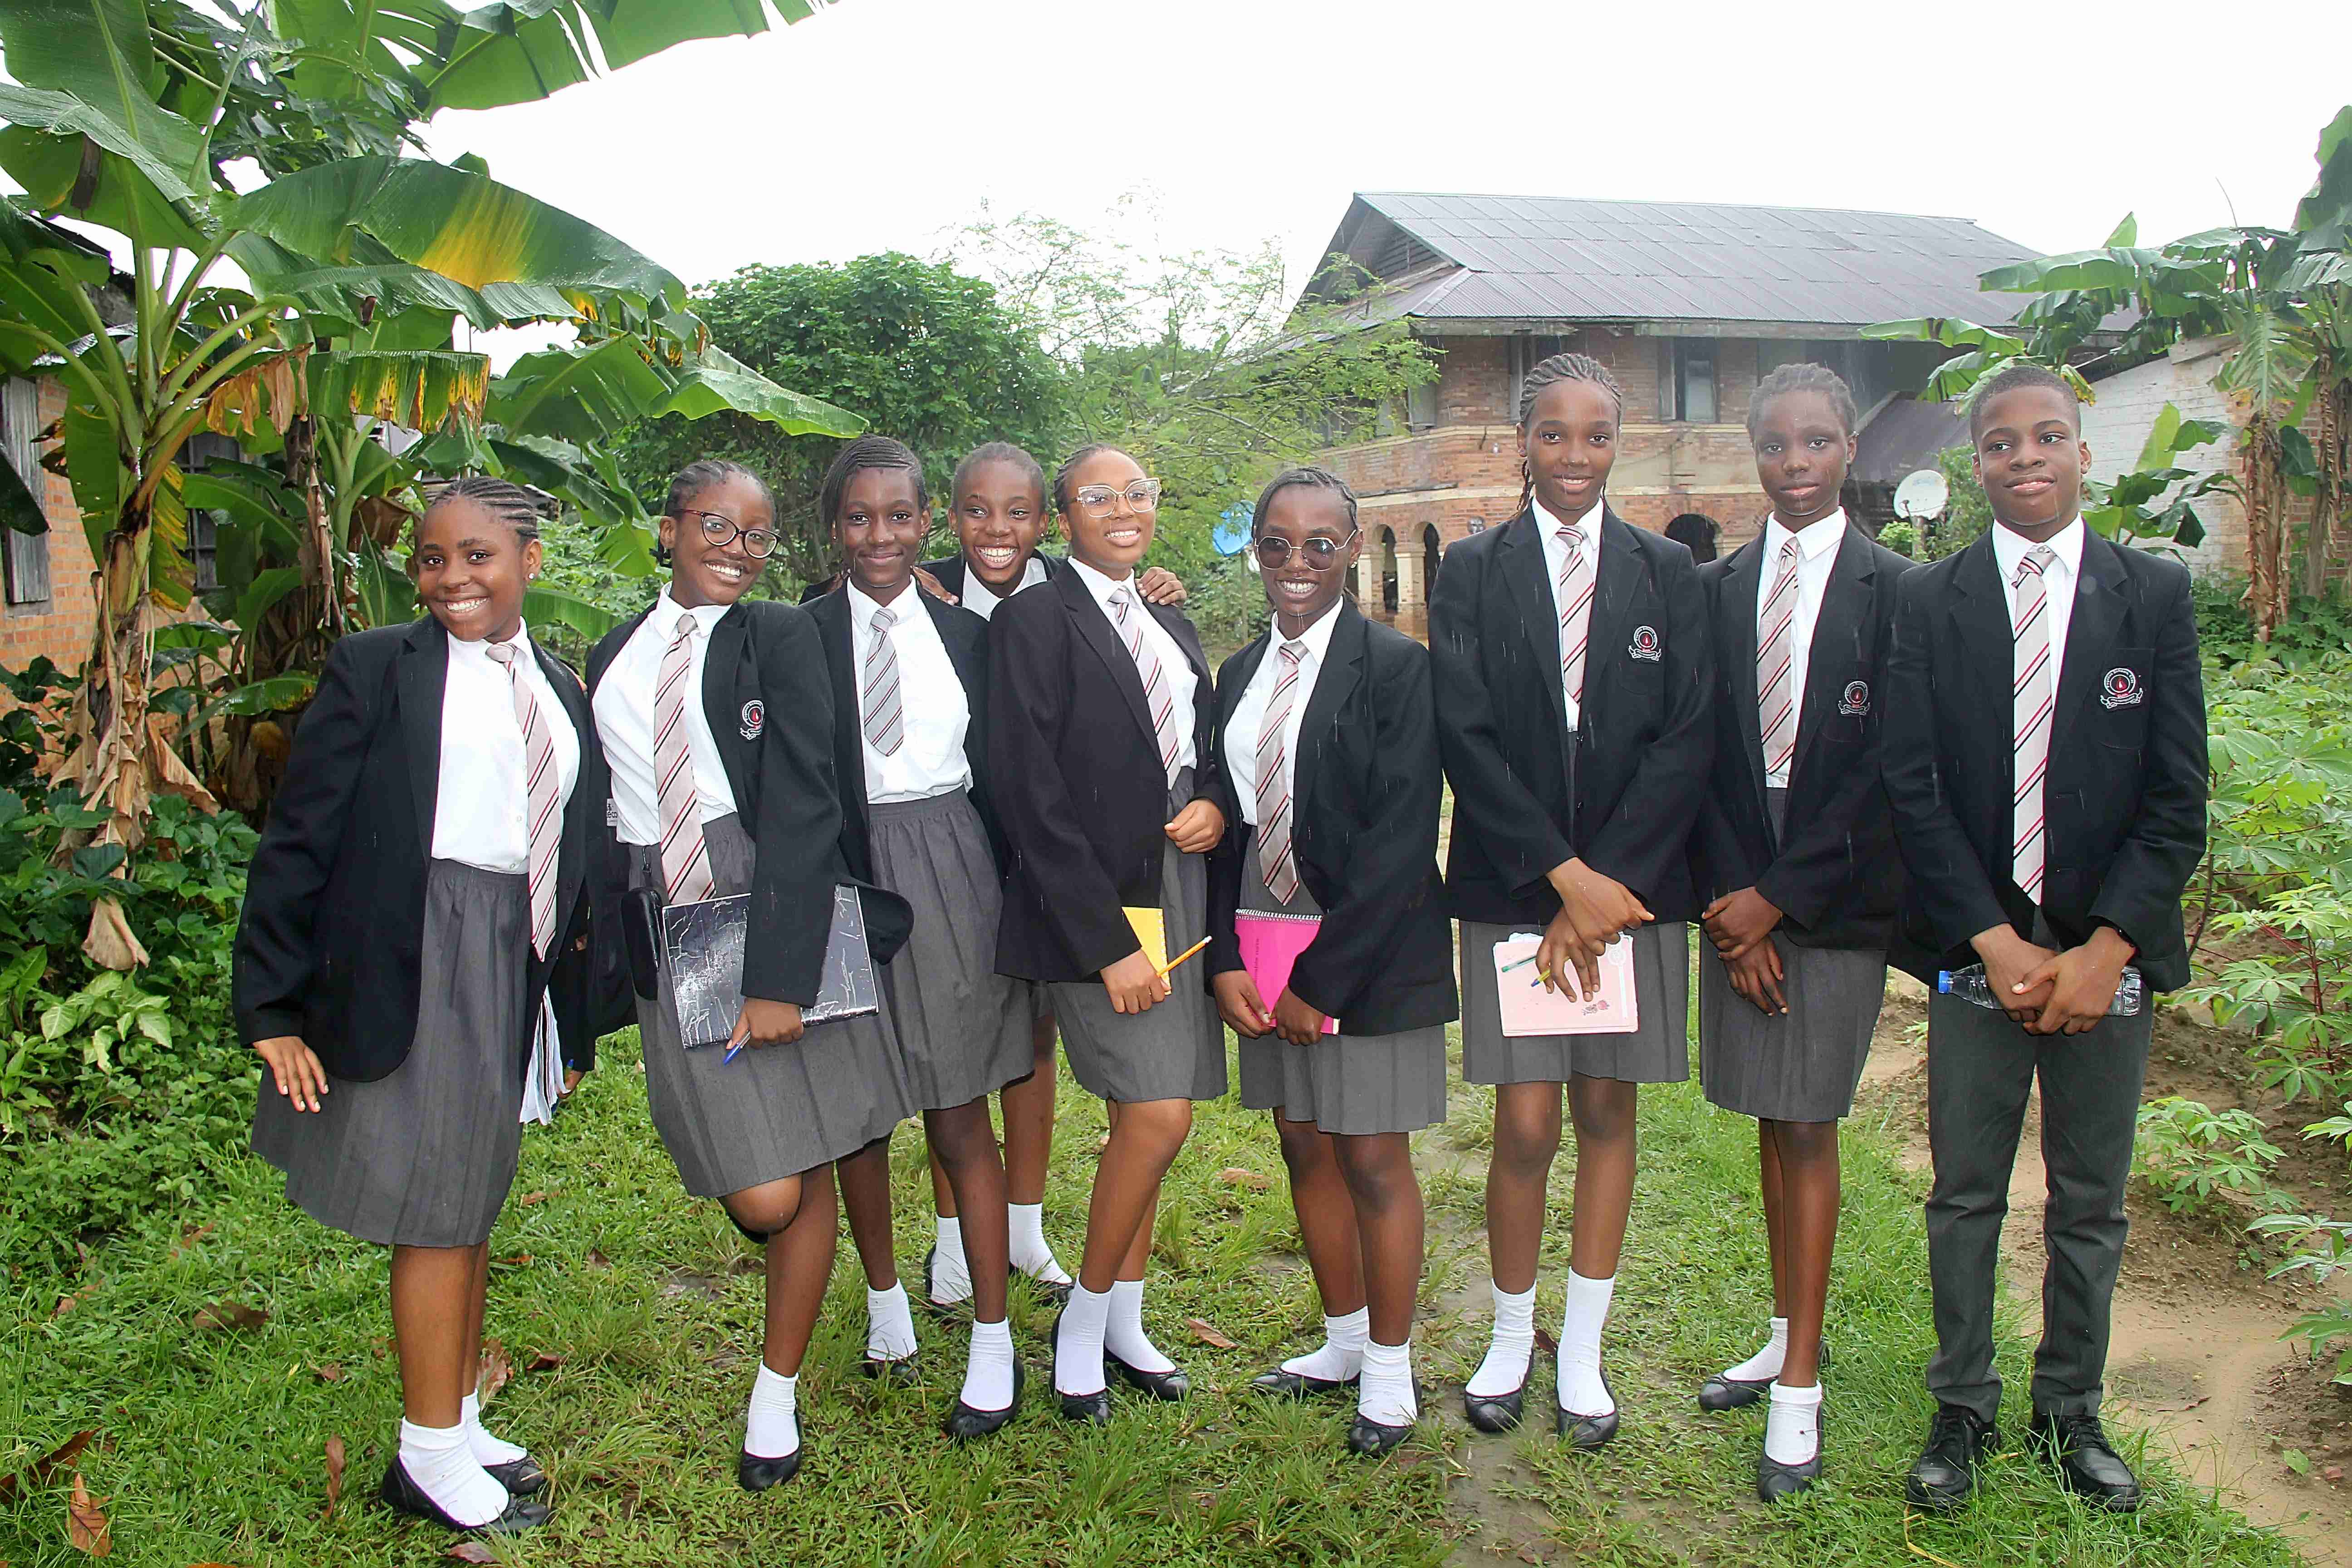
[(1856, 703), (755, 719), (1644, 645), (2121, 690)]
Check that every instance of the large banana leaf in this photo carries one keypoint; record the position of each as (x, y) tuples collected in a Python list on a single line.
[(67, 170), (98, 54), (584, 393), (419, 389), (716, 381)]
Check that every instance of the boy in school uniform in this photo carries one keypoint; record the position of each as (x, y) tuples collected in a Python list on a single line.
[(2044, 755)]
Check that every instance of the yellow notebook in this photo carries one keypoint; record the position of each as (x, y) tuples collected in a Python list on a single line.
[(1151, 930)]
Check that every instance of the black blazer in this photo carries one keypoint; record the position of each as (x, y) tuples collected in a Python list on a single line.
[(948, 570), (966, 638), (2125, 789), (1366, 789), (330, 942), (1832, 872), (1644, 740), (1079, 786)]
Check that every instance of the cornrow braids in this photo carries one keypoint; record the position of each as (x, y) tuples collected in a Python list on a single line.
[(1070, 465), (868, 452), (702, 475), (1551, 372), (1790, 378), (1307, 478), (998, 452), (2022, 374), (502, 498)]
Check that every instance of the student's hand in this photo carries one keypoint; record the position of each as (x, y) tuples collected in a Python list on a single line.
[(2009, 958), (299, 1077), (2083, 982), (1134, 985), (1565, 948), (571, 1076), (1594, 910), (1162, 586), (766, 1023), (1198, 828), (1756, 974), (1737, 922), (934, 587), (1300, 1022), (1244, 1010)]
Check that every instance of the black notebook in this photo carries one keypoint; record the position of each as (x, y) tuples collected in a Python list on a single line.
[(704, 942)]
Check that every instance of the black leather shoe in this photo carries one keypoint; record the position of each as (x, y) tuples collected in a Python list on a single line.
[(1378, 1439), (2087, 1463), (907, 1369), (1282, 1384), (1494, 1413), (1775, 1480), (1055, 1290), (1945, 1473), (1720, 1393), (522, 1478), (404, 1496), (1094, 1409), (964, 1423), (1170, 1385), (1586, 1432), (754, 1474)]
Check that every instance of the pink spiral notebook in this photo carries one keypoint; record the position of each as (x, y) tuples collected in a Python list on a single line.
[(1270, 947), (1530, 1009)]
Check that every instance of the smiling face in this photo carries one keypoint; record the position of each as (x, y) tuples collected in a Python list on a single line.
[(1112, 545), (878, 532), (1298, 593), (702, 573), (470, 570), (2030, 456), (1569, 443), (1802, 448), (1000, 517)]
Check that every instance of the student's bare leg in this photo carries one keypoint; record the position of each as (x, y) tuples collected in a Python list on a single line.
[(865, 1194), (1602, 1110), (1808, 1159), (1526, 1137), (800, 1266), (1327, 1220), (1386, 1201), (477, 1302), (1028, 1108), (1768, 1150), (432, 1313), (963, 1145)]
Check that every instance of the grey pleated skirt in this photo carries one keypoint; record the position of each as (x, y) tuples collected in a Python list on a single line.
[(1349, 1084), (774, 1111), (1658, 1051), (964, 1029), (424, 1156), (1175, 1050)]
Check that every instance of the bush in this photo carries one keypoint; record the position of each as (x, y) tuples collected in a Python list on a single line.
[(2188, 1153), (2315, 630)]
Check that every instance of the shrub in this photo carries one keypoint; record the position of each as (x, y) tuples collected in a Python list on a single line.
[(2188, 1153)]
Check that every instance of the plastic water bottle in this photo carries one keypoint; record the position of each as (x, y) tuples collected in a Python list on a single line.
[(1971, 985)]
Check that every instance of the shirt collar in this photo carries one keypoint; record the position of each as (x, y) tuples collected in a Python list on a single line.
[(481, 649), (666, 611), (1549, 526), (1103, 587), (1316, 636), (862, 608), (2010, 547), (1814, 540)]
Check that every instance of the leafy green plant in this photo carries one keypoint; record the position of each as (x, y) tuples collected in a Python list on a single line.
[(2322, 1247), (2188, 1153)]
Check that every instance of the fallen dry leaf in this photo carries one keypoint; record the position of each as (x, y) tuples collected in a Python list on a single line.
[(221, 1315), (472, 1552), (545, 1360), (598, 1260), (189, 1236), (530, 1198), (1546, 1343), (334, 1474), (381, 1346), (68, 1303), (1207, 1334), (2332, 1473), (86, 1520), (496, 1372), (1234, 1176), (330, 1373), (520, 1260), (38, 1472)]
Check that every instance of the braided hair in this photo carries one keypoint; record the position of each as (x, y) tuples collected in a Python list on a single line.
[(502, 498), (699, 476), (1551, 372), (1307, 478), (1070, 466), (998, 452), (1790, 378), (868, 452)]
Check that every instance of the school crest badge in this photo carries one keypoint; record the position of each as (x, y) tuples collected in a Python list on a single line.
[(2121, 688), (755, 719), (1855, 702), (1645, 645)]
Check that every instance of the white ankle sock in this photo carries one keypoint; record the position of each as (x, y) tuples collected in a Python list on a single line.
[(1765, 1364), (988, 1367), (1032, 1254), (438, 1459), (1792, 1428), (487, 1450), (1123, 1336), (771, 1428), (1511, 1348), (950, 1274), (1387, 1394), (1078, 1342), (1341, 1356), (1582, 1392), (890, 1325)]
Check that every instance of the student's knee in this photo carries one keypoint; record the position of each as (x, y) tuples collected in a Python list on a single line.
[(1603, 1110), (1158, 1127), (961, 1136), (1811, 1146), (1527, 1132), (1377, 1168), (760, 1212), (1302, 1146)]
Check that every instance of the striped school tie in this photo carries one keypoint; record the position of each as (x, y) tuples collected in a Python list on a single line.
[(1575, 597), (2032, 699), (1775, 685), (1156, 695), (1275, 860), (885, 715), (540, 797), (685, 859)]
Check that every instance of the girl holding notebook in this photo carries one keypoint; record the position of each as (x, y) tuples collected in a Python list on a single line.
[(1100, 715), (717, 718), (1330, 945)]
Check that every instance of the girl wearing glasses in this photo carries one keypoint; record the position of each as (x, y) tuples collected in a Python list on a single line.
[(1100, 714), (1328, 737), (717, 720)]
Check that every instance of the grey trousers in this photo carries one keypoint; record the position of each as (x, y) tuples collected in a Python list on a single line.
[(1979, 1069)]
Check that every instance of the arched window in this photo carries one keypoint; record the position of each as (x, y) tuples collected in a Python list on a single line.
[(1388, 571)]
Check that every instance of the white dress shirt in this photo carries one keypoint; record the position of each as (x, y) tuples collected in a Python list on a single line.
[(981, 600), (1555, 560), (1249, 713), (2060, 579), (933, 711), (1817, 548), (481, 814), (1174, 666), (625, 718)]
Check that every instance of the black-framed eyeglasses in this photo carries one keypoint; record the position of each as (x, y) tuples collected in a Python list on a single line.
[(1142, 497), (720, 531), (1319, 551)]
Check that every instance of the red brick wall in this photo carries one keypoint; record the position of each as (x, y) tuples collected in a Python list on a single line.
[(61, 627)]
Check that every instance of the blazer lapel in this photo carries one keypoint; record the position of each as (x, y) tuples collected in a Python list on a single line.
[(423, 682), (1095, 629), (730, 682), (1735, 627), (1843, 619), (2093, 630), (1343, 667), (837, 630), (1527, 579), (1619, 577), (1980, 614)]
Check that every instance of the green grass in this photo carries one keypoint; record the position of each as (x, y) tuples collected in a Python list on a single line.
[(213, 1441)]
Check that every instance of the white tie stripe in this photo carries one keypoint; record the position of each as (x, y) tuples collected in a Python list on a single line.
[(1575, 611), (885, 718), (1277, 865), (544, 825), (1775, 687), (1156, 697), (685, 859), (2033, 699)]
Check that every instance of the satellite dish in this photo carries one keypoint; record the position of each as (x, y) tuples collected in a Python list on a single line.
[(1233, 530), (1923, 494)]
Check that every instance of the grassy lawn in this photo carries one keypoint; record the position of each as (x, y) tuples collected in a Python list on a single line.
[(647, 1303)]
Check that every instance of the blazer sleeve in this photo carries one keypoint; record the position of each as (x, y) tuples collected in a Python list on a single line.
[(1948, 884), (2141, 892), (1516, 833), (1388, 875), (1645, 840), (798, 839), (274, 956)]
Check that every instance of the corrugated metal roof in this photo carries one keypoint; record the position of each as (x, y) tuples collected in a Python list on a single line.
[(1556, 258)]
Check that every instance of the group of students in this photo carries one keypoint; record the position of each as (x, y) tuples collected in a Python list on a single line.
[(1007, 755)]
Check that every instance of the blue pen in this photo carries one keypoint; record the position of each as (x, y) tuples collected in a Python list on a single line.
[(733, 1052)]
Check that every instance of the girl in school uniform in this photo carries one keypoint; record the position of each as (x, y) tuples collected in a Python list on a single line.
[(420, 873), (1572, 676), (910, 722), (1797, 841), (1100, 717), (717, 720), (1327, 733)]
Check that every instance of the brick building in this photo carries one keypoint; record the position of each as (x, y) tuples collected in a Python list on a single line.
[(47, 603), (1688, 305)]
